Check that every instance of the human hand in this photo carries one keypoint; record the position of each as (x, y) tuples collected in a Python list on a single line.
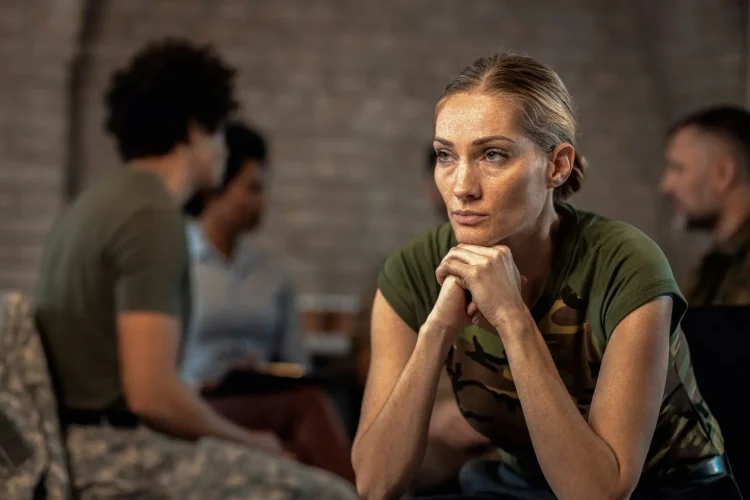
[(449, 312), (493, 279), (249, 363), (267, 441), (449, 425)]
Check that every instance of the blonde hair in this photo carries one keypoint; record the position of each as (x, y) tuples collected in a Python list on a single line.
[(544, 105)]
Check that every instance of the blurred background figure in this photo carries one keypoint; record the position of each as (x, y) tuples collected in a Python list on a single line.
[(707, 177), (115, 298), (246, 317), (245, 302)]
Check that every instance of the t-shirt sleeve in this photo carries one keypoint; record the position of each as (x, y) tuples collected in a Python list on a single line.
[(407, 280), (149, 257), (632, 273), (396, 286)]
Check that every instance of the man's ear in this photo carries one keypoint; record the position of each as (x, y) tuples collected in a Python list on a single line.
[(560, 165), (727, 173)]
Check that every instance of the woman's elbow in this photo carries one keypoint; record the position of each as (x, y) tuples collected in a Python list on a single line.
[(374, 483), (617, 491), (608, 493), (370, 486), (609, 488), (624, 492)]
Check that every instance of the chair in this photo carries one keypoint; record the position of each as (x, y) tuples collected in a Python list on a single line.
[(33, 460), (719, 348)]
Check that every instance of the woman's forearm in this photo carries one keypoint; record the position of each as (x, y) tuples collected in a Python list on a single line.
[(576, 462), (389, 451)]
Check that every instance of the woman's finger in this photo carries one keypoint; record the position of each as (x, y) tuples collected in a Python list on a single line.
[(452, 267), (477, 318), (485, 251), (471, 309), (465, 255)]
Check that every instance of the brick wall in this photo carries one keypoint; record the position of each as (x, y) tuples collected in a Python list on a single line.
[(345, 91), (37, 42)]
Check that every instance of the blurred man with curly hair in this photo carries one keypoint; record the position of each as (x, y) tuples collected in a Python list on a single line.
[(114, 299)]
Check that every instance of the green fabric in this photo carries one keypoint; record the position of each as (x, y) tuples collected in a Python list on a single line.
[(121, 246), (603, 270)]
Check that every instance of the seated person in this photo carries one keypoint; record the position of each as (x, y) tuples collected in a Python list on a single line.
[(246, 317), (559, 328), (708, 179), (451, 440), (114, 296)]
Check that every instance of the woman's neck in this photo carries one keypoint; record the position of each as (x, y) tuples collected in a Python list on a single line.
[(221, 238), (534, 250)]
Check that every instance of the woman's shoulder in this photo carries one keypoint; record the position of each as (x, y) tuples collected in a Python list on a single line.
[(609, 238), (619, 268), (425, 251), (407, 279)]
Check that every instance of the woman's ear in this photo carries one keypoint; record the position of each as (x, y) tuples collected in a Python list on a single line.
[(560, 165)]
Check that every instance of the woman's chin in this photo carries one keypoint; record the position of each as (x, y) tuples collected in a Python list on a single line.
[(474, 236)]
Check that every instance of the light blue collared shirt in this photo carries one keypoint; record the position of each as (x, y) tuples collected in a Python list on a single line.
[(242, 307)]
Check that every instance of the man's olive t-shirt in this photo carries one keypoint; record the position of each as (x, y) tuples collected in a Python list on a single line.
[(603, 270), (120, 247)]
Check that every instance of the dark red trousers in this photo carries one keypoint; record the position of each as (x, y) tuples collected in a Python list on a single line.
[(303, 417)]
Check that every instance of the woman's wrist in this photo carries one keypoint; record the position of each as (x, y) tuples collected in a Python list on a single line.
[(514, 323), (438, 335)]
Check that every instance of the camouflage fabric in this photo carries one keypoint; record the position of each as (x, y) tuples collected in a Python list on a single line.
[(686, 431), (32, 456), (603, 270), (141, 463), (723, 277)]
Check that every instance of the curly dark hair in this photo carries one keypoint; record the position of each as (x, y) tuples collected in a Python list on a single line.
[(165, 86)]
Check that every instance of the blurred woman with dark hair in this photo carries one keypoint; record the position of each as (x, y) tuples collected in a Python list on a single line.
[(246, 319)]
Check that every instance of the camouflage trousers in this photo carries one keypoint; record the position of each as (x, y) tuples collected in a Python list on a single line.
[(108, 462)]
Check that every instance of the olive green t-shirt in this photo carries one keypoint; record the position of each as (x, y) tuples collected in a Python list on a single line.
[(602, 271), (121, 246)]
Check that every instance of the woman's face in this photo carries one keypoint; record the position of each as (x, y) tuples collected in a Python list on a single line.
[(493, 178), (244, 200)]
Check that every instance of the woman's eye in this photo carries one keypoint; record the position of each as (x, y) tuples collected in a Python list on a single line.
[(496, 156), (442, 156)]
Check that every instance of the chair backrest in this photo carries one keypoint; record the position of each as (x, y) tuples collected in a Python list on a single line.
[(719, 343), (32, 452)]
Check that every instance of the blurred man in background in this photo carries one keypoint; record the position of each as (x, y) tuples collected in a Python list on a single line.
[(246, 322), (114, 298), (708, 179)]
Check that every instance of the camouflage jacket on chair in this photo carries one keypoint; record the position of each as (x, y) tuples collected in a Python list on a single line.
[(32, 455)]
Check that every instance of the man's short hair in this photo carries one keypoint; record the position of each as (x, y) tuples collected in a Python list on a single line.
[(729, 122), (166, 86)]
